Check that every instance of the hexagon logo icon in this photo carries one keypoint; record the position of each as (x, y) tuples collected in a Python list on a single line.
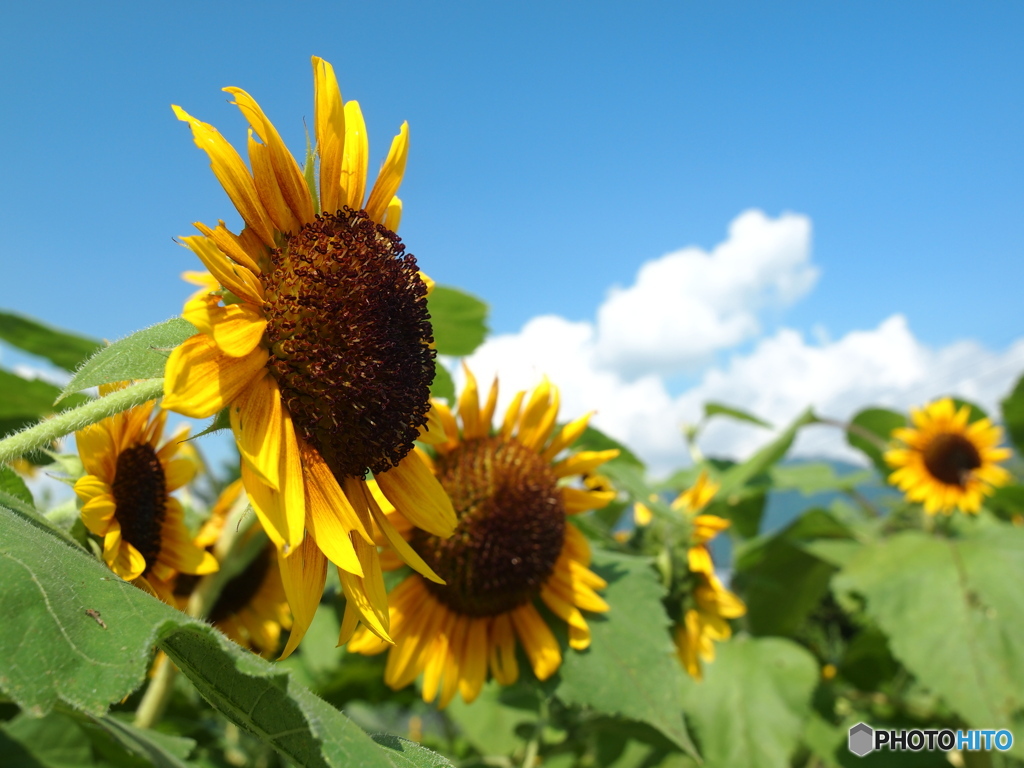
[(862, 739)]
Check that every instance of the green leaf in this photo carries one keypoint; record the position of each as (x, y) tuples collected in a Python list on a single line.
[(78, 634), (630, 667), (459, 321), (61, 348), (408, 754), (142, 355), (780, 581), (28, 399), (734, 478), (751, 707), (11, 484), (442, 386), (490, 722), (744, 510), (816, 477), (118, 740), (879, 422), (1013, 415), (953, 611), (54, 741), (718, 409)]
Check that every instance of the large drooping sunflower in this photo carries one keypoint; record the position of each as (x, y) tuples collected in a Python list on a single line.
[(945, 462), (126, 498), (513, 545), (314, 334), (704, 619)]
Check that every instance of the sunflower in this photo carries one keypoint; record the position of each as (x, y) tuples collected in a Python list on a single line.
[(945, 462), (252, 608), (513, 546), (704, 620), (314, 334), (126, 498)]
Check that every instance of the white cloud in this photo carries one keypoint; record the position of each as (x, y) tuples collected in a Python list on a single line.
[(614, 366), (688, 304)]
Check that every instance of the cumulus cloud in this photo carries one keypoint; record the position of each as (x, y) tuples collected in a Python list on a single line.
[(619, 371), (689, 304)]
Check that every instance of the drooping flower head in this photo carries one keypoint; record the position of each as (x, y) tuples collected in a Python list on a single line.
[(704, 619), (945, 462), (513, 546), (314, 334), (126, 498)]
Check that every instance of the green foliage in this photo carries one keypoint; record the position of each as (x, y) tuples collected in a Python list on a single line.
[(953, 611), (64, 650), (142, 355), (871, 429), (1013, 414), (442, 386), (11, 484), (62, 348), (630, 667), (459, 321), (780, 581), (734, 478), (594, 439), (751, 707), (718, 409)]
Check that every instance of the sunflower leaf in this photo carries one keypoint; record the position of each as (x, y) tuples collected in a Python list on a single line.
[(142, 355), (12, 485), (953, 611), (718, 409), (442, 386), (459, 321), (1013, 414), (61, 348), (630, 668), (77, 634), (752, 705), (872, 428)]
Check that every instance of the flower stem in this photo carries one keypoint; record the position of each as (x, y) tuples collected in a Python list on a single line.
[(66, 422)]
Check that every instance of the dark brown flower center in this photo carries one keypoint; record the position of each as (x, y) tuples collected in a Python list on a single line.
[(140, 499), (950, 458), (349, 338), (510, 533), (240, 591)]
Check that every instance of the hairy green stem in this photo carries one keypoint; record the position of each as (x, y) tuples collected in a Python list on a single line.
[(66, 422)]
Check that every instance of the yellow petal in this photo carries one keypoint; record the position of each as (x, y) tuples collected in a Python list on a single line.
[(577, 500), (268, 188), (201, 380), (98, 512), (502, 660), (401, 546), (90, 486), (433, 432), (487, 412), (236, 278), (303, 574), (538, 641), (329, 515), (393, 217), (256, 421), (474, 660), (178, 473), (469, 405), (567, 436), (176, 548), (329, 123), (235, 329), (390, 176), (368, 593), (230, 170), (583, 462), (286, 170), (355, 158), (418, 495), (234, 247)]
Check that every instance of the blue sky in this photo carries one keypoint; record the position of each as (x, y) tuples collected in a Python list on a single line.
[(555, 148)]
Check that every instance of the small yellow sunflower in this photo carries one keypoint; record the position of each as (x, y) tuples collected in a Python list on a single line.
[(512, 546), (315, 335), (704, 620), (252, 608), (945, 462), (126, 498)]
